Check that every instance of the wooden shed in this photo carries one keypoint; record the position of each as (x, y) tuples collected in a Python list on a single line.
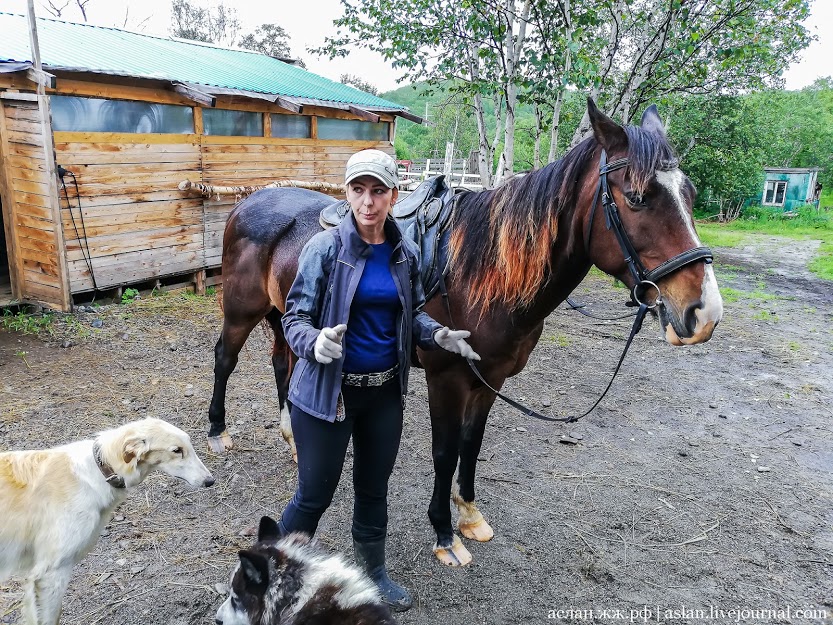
[(790, 187), (89, 172)]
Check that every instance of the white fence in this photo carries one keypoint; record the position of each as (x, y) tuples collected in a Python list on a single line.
[(411, 173)]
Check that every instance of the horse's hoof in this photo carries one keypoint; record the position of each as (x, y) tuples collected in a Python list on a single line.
[(220, 444), (480, 531), (456, 555)]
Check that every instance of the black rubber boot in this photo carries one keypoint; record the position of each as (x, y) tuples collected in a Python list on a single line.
[(371, 558)]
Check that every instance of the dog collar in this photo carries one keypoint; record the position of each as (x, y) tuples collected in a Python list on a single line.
[(112, 478)]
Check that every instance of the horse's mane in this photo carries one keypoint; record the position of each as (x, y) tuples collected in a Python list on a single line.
[(502, 238)]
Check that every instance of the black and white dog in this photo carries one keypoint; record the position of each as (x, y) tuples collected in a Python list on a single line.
[(288, 581)]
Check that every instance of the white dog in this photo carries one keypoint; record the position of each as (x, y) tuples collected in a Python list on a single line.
[(55, 502)]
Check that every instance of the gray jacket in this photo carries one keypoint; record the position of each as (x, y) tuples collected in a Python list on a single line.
[(329, 270)]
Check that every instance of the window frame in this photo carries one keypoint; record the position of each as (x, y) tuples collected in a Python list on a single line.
[(773, 185)]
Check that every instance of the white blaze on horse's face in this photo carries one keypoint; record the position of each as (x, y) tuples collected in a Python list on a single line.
[(710, 311)]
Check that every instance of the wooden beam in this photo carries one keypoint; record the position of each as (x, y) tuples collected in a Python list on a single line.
[(15, 95), (410, 117), (195, 94), (288, 105), (365, 115), (40, 77)]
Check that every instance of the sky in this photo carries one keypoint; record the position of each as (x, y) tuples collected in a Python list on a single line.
[(308, 22)]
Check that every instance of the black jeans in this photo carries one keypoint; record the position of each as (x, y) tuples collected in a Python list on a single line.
[(373, 416)]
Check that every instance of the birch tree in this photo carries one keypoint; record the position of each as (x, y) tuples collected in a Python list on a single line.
[(656, 48)]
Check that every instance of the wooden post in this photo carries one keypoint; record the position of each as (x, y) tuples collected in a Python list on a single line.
[(199, 282), (51, 170)]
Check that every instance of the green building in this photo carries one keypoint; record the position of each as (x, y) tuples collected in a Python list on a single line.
[(790, 187)]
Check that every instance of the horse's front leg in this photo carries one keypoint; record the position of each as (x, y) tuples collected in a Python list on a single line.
[(447, 402), (471, 523)]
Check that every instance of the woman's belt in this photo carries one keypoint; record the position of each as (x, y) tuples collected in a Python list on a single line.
[(369, 379)]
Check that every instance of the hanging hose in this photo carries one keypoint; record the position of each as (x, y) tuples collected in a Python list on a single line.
[(84, 243)]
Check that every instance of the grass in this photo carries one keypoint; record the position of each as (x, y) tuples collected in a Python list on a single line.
[(807, 223), (822, 264), (719, 235)]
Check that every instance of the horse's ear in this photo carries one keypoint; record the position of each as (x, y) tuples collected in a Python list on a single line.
[(608, 133), (651, 121)]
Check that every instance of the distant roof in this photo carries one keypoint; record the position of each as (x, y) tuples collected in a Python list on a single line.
[(77, 47), (791, 170)]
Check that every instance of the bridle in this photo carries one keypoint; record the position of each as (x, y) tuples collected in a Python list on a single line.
[(644, 280)]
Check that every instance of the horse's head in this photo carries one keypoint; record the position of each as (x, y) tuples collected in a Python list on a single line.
[(654, 199)]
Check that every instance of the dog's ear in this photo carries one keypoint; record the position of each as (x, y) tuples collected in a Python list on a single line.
[(255, 569), (268, 529), (135, 448)]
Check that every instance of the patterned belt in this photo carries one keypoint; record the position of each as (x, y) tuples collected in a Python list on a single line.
[(369, 379)]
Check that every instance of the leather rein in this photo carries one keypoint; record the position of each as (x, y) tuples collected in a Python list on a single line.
[(644, 281)]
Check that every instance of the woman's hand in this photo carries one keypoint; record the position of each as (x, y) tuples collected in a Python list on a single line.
[(328, 344), (455, 341)]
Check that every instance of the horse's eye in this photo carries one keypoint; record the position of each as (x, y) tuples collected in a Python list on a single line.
[(635, 201), (177, 450)]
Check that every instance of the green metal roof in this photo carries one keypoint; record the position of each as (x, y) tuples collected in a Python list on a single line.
[(82, 47)]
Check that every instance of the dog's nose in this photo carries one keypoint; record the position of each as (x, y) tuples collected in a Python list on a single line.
[(218, 620), (209, 481)]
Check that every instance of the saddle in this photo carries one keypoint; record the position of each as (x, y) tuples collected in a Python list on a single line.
[(424, 216)]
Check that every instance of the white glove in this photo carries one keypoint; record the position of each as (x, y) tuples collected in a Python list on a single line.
[(328, 344), (455, 341)]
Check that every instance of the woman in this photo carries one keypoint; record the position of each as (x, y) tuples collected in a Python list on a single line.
[(352, 316)]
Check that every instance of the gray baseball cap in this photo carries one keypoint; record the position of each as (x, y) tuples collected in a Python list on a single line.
[(372, 163)]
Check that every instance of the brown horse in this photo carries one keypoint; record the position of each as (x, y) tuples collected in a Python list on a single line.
[(516, 252)]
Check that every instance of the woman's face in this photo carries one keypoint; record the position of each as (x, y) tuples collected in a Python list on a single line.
[(371, 201)]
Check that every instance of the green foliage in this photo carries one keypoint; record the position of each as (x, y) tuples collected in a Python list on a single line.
[(218, 24), (726, 141), (807, 221), (27, 323), (129, 295), (270, 39), (358, 83)]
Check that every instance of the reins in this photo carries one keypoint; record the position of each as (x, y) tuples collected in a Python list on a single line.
[(643, 279)]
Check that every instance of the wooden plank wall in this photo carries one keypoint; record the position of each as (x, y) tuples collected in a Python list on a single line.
[(34, 251), (138, 225), (260, 160)]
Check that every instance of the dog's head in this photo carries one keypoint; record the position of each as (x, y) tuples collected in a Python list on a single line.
[(135, 449), (266, 580)]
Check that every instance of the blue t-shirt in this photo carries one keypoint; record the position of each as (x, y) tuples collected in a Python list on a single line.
[(370, 342)]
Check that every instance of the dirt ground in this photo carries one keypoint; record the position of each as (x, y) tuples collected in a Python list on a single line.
[(703, 482)]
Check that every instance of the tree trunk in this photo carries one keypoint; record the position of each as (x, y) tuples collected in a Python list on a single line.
[(498, 128), (514, 45), (559, 100), (536, 151), (484, 150), (610, 53)]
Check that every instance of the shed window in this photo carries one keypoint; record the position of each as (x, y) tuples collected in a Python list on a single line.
[(775, 192), (74, 114), (290, 126), (232, 123), (329, 128)]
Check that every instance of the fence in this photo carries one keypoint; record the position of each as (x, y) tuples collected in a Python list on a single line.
[(412, 172)]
